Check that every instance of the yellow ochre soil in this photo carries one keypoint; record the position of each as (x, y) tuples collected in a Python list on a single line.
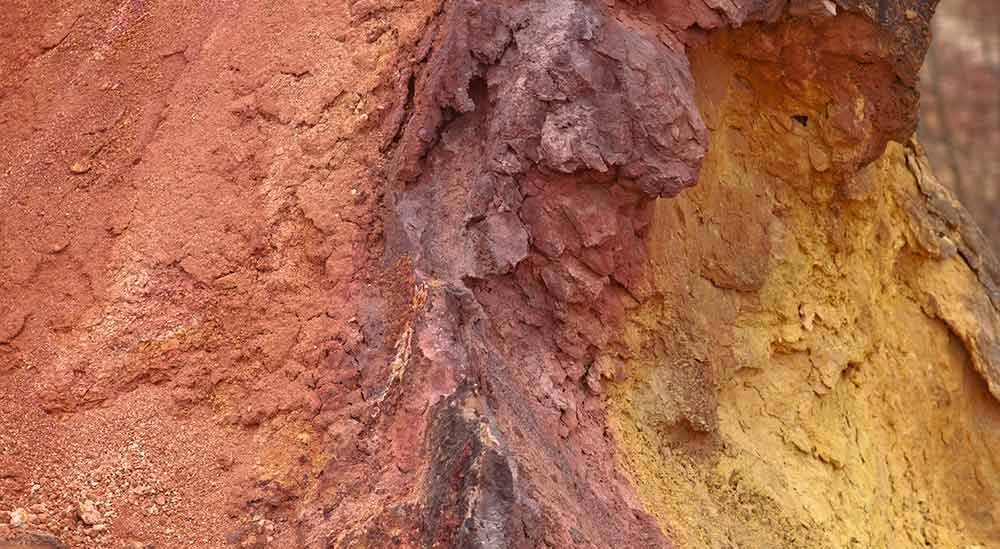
[(807, 377)]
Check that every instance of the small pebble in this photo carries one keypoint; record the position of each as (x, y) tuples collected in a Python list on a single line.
[(80, 166), (19, 517), (88, 513)]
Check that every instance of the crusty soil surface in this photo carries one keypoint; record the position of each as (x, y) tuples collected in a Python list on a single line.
[(187, 226)]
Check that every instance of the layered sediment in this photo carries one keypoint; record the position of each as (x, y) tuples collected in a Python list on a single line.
[(494, 274)]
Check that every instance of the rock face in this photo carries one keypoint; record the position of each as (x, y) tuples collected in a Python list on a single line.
[(488, 274)]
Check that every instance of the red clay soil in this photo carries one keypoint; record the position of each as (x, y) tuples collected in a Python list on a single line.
[(188, 231)]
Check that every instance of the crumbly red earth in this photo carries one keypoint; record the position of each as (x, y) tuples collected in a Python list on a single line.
[(190, 267)]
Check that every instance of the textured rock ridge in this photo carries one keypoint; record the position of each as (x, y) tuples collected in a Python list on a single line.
[(666, 273), (537, 138)]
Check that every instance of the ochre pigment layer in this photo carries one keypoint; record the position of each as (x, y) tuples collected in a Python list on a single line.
[(807, 375)]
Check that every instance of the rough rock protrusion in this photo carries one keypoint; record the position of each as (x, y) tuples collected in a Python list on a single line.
[(526, 149)]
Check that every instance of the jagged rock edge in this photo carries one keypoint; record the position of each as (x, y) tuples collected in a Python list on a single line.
[(415, 127)]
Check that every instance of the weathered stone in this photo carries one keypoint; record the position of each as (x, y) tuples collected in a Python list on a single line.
[(493, 274), (88, 513)]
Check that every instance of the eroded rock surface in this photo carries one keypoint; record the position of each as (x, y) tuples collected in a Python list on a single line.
[(490, 274)]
